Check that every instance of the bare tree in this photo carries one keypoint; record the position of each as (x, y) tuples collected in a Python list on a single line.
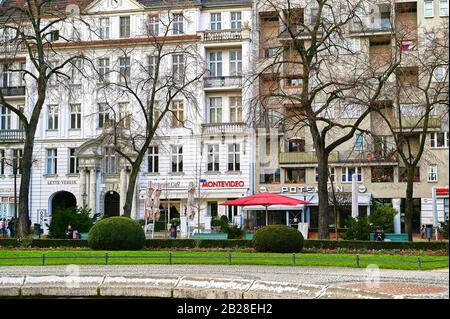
[(319, 71), (161, 82), (421, 104), (34, 29)]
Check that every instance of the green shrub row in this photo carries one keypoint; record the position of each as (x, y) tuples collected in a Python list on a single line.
[(233, 243)]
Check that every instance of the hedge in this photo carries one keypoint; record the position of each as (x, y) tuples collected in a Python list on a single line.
[(234, 243)]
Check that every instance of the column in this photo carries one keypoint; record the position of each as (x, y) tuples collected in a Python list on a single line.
[(134, 207), (123, 189), (82, 186), (92, 190), (396, 202)]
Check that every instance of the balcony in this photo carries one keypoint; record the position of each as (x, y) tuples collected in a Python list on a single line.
[(13, 91), (304, 158), (221, 35), (415, 124), (223, 128), (369, 157), (12, 136), (373, 26), (223, 82)]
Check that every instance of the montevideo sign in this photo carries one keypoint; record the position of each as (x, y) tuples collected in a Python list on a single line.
[(223, 184)]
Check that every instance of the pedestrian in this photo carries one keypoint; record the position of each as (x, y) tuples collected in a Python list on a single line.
[(75, 234), (422, 231), (4, 225), (69, 232), (11, 225), (379, 234)]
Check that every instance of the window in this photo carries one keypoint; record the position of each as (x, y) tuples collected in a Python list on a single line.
[(408, 45), (124, 27), (73, 162), (109, 161), (125, 114), (103, 70), (76, 71), (347, 174), (178, 23), (124, 69), (22, 67), (215, 64), (235, 109), (75, 116), (294, 81), (17, 161), (151, 65), (236, 20), (178, 67), (213, 158), (349, 111), (153, 159), (439, 74), (177, 114), (272, 52), (104, 28), (212, 209), (382, 174), (153, 25), (359, 142), (432, 173), (234, 157), (52, 117), (235, 63), (215, 110), (296, 145), (428, 9), (331, 174), (5, 118), (443, 8), (103, 115), (6, 75), (403, 175), (53, 35), (295, 176), (216, 21), (156, 111), (2, 162), (270, 176), (52, 161), (439, 140), (177, 159)]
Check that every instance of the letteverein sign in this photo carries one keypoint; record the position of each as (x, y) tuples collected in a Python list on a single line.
[(223, 184), (62, 182)]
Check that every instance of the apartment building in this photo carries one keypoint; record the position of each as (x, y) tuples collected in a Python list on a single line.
[(202, 141), (287, 163)]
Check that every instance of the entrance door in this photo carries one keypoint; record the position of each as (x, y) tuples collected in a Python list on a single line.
[(112, 204), (63, 200)]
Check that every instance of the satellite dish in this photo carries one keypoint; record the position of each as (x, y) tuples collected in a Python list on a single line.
[(72, 10)]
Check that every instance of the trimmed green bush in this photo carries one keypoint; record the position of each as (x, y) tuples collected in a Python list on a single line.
[(444, 228), (116, 233), (382, 216), (358, 229), (278, 239), (79, 219)]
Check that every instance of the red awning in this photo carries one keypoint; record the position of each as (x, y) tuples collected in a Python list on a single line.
[(265, 199)]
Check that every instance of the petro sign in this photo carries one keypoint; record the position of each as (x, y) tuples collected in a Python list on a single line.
[(223, 184)]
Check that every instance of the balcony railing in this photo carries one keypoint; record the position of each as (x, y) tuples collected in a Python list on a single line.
[(223, 128), (12, 135), (222, 35), (304, 157), (368, 156), (223, 82), (416, 122), (374, 25), (13, 91)]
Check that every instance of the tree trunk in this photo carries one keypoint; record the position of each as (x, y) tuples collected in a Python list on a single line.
[(409, 202), (23, 225), (132, 183), (322, 171)]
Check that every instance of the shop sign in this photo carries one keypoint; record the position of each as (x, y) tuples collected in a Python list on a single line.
[(223, 184), (164, 185), (62, 182), (314, 189)]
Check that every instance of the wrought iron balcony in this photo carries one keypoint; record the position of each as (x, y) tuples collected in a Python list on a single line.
[(223, 82), (13, 91), (16, 136)]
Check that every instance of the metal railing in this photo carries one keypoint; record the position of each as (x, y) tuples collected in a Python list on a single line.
[(13, 90), (170, 258), (223, 82)]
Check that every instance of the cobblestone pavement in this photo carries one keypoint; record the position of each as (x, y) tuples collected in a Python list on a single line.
[(307, 275)]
